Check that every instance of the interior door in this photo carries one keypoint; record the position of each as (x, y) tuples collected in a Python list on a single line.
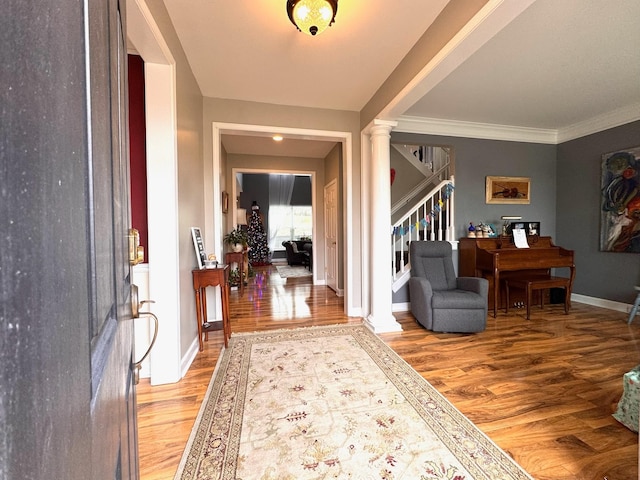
[(331, 234), (67, 398)]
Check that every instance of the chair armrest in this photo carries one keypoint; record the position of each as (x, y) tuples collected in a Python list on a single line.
[(473, 284), (420, 294)]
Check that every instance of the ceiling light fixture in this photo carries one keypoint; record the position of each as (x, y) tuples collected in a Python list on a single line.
[(312, 16), (277, 138)]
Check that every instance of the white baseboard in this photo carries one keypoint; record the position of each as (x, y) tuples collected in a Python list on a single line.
[(596, 302), (189, 357), (401, 307), (601, 302), (339, 292)]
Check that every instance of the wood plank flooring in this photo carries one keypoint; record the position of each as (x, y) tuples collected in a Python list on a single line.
[(543, 390)]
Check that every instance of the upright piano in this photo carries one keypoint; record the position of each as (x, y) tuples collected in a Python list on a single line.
[(498, 259)]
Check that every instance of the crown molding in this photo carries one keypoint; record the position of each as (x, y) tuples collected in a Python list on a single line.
[(615, 118), (453, 128), (488, 131)]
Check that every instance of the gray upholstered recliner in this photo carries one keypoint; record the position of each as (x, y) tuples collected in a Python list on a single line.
[(440, 301)]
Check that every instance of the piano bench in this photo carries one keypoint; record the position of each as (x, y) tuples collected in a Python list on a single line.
[(529, 284)]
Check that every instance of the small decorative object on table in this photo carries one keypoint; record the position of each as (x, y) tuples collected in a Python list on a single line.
[(488, 230), (211, 261), (472, 231)]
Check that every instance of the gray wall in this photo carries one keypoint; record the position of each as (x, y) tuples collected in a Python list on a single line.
[(598, 274), (255, 186), (475, 159), (565, 198)]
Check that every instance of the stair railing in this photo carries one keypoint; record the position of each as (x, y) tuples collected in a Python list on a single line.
[(432, 218)]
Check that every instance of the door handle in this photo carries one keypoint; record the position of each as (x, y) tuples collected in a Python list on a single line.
[(135, 304), (136, 313)]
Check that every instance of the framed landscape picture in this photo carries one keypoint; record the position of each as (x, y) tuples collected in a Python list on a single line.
[(516, 190)]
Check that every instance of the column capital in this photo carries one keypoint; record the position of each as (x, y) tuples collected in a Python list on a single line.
[(380, 127)]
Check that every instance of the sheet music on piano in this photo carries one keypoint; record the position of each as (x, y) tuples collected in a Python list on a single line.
[(520, 238)]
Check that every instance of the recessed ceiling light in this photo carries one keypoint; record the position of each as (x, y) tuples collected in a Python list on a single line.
[(278, 138)]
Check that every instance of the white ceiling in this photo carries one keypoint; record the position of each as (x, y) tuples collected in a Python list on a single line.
[(559, 64)]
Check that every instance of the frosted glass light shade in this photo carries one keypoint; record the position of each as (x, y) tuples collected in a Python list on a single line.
[(312, 16)]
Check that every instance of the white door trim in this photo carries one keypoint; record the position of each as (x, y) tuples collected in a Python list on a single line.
[(162, 188), (218, 129)]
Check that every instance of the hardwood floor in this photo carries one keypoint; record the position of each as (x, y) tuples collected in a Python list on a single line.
[(543, 390)]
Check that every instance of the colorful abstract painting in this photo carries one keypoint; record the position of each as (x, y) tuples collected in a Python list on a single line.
[(620, 202)]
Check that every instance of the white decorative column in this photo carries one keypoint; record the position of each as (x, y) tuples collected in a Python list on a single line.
[(380, 318)]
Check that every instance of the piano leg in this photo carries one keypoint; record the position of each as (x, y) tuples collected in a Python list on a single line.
[(496, 292)]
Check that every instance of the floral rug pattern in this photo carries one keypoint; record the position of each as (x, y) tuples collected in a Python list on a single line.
[(331, 403)]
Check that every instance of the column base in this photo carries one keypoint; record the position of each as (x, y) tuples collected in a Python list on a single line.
[(383, 325)]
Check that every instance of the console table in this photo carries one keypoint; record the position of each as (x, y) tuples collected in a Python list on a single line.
[(210, 277)]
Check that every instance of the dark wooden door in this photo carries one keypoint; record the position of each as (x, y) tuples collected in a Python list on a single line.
[(67, 398)]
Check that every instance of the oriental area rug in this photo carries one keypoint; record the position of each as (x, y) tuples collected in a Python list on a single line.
[(287, 271), (331, 403)]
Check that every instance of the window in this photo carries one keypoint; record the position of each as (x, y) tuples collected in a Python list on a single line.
[(288, 223)]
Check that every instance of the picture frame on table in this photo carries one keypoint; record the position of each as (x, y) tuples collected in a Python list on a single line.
[(198, 245)]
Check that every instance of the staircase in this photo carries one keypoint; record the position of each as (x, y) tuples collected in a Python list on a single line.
[(433, 162), (430, 218)]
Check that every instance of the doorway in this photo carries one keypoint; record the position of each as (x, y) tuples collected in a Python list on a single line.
[(237, 172), (222, 176), (286, 203)]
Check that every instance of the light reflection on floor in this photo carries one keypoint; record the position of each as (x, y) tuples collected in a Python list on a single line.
[(290, 297)]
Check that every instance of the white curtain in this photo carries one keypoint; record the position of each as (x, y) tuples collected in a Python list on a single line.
[(280, 190)]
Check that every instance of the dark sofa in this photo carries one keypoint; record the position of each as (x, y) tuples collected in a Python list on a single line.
[(299, 253), (294, 255)]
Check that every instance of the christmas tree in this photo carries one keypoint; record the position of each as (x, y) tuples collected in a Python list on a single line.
[(257, 238)]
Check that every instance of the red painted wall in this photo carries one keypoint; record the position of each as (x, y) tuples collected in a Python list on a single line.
[(137, 150)]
